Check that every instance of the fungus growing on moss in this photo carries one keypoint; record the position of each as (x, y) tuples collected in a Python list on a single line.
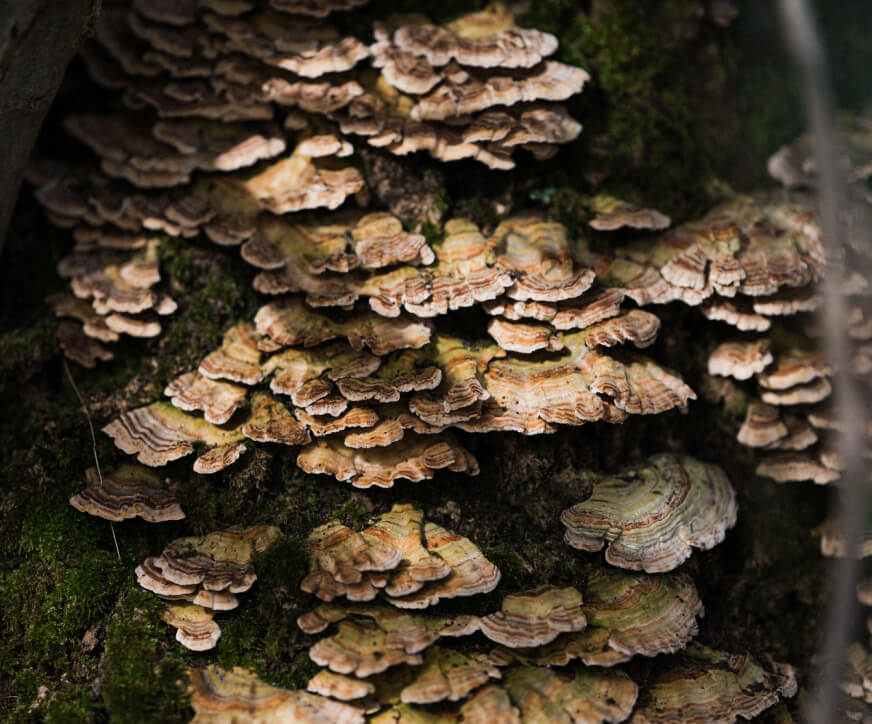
[(195, 628), (127, 492), (221, 695), (651, 516)]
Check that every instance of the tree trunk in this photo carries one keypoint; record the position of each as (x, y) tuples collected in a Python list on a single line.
[(37, 40)]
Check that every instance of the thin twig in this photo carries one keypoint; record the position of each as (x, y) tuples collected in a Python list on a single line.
[(93, 444)]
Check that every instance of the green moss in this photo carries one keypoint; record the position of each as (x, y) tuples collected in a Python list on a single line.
[(144, 677), (351, 513)]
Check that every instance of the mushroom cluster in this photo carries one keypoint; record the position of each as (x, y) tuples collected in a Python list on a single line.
[(558, 647), (369, 394), (206, 572), (233, 115)]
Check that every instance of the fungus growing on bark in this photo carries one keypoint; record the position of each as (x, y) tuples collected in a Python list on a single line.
[(533, 618), (195, 628), (740, 359), (127, 492), (587, 696), (218, 400), (612, 213), (220, 695), (419, 563), (447, 675), (703, 685), (651, 516)]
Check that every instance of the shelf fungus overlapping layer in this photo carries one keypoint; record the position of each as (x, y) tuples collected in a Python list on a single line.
[(703, 685), (628, 614), (410, 562), (208, 572), (128, 492), (368, 394), (651, 516), (232, 115), (236, 695), (747, 260)]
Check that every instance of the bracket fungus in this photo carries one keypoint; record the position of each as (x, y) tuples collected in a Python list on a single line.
[(413, 563), (652, 516), (220, 696), (704, 685), (534, 618), (127, 492), (207, 571)]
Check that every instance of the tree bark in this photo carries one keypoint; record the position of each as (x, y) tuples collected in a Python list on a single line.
[(37, 40)]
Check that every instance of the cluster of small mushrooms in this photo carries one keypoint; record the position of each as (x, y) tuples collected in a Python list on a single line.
[(237, 120)]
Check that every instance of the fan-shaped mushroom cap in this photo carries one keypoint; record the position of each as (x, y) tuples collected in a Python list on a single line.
[(321, 426), (217, 400), (93, 324), (219, 696), (196, 629), (360, 648), (805, 394), (643, 614), (585, 696), (796, 466), (127, 492), (339, 245), (591, 646), (612, 213), (533, 618), (292, 324), (740, 359), (402, 371), (471, 573), (412, 458), (653, 515), (168, 153), (795, 367), (595, 305), (271, 421), (149, 575), (628, 614), (447, 676), (463, 366), (762, 427), (489, 705), (403, 529), (488, 39), (636, 326), (537, 251), (396, 420), (550, 81), (340, 555), (238, 358), (159, 433), (337, 686), (712, 687), (738, 313), (219, 561), (464, 275), (301, 373), (523, 338)]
